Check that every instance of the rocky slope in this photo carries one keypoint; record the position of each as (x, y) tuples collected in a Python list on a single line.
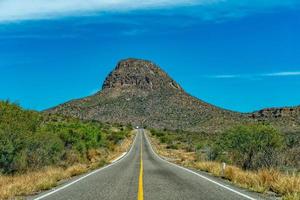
[(140, 93)]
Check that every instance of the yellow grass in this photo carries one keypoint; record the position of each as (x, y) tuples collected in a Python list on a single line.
[(33, 182), (260, 181), (288, 186), (24, 184), (11, 186)]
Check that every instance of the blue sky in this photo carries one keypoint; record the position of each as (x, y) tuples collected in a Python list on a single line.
[(237, 54)]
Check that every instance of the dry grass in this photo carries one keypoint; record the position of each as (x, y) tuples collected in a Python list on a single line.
[(11, 186), (259, 181), (44, 179), (288, 186), (29, 183)]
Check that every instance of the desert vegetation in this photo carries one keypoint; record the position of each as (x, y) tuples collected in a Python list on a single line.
[(258, 156), (37, 150), (250, 147)]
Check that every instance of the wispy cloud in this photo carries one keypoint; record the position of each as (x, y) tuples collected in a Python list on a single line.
[(283, 74), (255, 76), (20, 10), (225, 76)]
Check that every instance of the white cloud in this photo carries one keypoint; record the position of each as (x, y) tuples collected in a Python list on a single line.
[(256, 76), (284, 74), (19, 10)]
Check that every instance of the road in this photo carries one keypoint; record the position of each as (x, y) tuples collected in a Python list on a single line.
[(142, 174)]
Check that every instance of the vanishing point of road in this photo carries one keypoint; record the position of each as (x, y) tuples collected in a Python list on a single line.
[(142, 174)]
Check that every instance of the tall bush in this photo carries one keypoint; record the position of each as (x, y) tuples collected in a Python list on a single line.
[(251, 146)]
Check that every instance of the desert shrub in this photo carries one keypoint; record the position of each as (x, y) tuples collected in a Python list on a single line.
[(33, 140), (251, 146), (116, 137), (163, 139), (291, 153), (13, 117), (16, 129), (157, 133), (44, 149), (79, 136), (173, 145), (190, 146), (20, 151)]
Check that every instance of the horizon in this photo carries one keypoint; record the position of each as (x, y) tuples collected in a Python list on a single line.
[(236, 55)]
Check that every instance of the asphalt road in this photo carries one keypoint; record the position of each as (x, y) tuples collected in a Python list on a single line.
[(141, 174)]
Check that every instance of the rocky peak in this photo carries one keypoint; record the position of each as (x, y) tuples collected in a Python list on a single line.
[(139, 74)]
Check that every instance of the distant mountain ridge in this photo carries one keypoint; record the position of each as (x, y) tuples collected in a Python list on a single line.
[(140, 93), (286, 118)]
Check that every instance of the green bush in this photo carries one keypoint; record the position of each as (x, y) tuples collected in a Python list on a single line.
[(115, 137), (251, 146), (43, 149), (31, 140)]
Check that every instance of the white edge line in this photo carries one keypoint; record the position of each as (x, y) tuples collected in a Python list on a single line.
[(120, 157), (188, 170), (89, 174)]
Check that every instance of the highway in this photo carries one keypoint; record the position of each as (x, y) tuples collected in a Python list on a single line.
[(142, 174)]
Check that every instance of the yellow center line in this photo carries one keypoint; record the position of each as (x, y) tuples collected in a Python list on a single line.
[(141, 189)]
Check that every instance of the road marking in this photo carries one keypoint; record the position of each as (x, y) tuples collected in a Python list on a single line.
[(120, 157), (141, 189), (91, 173), (199, 175)]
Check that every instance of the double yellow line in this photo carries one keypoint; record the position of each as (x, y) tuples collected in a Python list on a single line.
[(141, 188)]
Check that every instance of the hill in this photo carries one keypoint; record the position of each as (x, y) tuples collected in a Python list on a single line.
[(140, 93)]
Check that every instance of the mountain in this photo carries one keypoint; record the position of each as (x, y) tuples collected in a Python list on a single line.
[(140, 93)]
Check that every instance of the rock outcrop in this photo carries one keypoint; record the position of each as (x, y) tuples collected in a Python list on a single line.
[(287, 118)]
